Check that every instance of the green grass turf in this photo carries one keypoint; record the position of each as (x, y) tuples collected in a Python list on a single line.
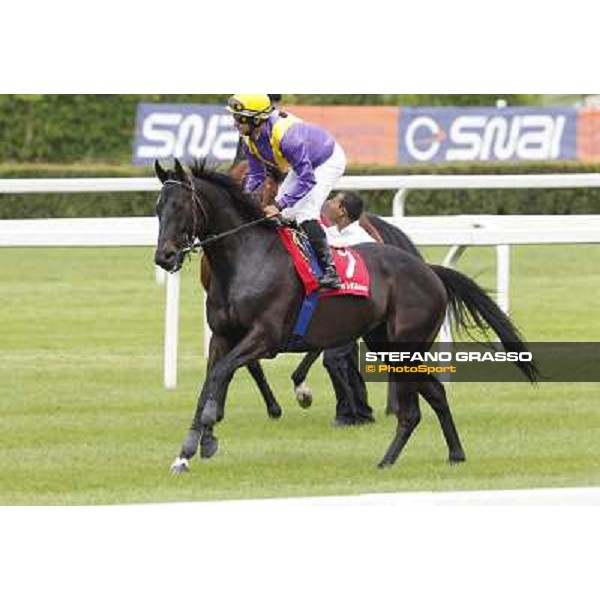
[(85, 419)]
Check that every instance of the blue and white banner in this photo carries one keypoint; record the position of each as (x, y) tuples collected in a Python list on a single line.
[(184, 131), (436, 135), (425, 135)]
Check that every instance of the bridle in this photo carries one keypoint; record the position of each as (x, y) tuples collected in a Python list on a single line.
[(197, 206), (194, 243)]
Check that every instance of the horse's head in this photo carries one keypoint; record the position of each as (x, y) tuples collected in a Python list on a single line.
[(180, 212)]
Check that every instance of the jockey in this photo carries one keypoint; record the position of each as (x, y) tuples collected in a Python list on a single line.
[(239, 167), (308, 154), (239, 153)]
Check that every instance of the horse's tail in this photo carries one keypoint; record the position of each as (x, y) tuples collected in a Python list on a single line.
[(469, 304)]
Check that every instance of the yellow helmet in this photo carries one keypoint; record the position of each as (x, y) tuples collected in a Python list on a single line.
[(256, 107)]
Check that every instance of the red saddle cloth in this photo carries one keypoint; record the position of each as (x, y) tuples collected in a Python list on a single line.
[(350, 267)]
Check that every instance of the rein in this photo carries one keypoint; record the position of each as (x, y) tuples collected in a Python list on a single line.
[(212, 239)]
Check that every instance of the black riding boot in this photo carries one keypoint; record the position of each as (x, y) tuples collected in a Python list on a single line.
[(318, 240)]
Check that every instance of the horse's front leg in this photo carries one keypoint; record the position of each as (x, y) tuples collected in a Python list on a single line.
[(197, 435), (221, 369), (252, 347)]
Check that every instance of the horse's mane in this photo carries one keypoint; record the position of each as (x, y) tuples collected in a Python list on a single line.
[(245, 202)]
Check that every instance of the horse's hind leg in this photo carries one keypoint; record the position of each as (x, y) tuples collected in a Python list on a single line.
[(303, 394), (273, 408), (435, 394), (408, 413)]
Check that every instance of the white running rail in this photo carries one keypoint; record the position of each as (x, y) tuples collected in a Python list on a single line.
[(458, 232)]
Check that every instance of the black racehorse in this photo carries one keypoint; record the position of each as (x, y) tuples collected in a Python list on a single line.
[(255, 295)]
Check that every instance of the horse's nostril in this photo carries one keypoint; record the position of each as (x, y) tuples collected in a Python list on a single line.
[(165, 258)]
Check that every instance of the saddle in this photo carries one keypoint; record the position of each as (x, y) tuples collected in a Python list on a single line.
[(350, 266), (349, 263)]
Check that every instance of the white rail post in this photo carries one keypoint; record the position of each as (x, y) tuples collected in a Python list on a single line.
[(160, 275), (450, 261), (503, 277), (398, 203), (171, 330), (446, 330)]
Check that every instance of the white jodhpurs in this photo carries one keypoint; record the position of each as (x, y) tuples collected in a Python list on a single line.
[(327, 175)]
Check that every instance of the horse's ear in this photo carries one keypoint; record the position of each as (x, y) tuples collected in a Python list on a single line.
[(160, 172), (179, 171)]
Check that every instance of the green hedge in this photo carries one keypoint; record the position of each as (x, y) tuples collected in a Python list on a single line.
[(63, 128), (420, 202)]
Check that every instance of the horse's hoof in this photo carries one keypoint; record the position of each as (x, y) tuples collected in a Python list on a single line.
[(179, 466), (208, 447), (456, 459), (275, 412), (385, 464), (304, 396)]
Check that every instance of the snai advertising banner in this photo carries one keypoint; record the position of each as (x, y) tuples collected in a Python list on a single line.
[(184, 131), (385, 135), (368, 134), (439, 135)]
